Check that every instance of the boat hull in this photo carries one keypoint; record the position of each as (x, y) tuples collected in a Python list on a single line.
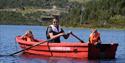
[(68, 49)]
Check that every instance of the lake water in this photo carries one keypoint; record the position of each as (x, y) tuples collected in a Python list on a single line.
[(8, 44)]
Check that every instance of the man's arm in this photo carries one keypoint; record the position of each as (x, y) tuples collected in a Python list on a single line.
[(54, 36)]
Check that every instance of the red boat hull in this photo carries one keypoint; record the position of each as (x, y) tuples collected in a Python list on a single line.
[(74, 50)]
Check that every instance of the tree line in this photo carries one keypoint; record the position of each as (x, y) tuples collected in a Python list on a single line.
[(93, 13)]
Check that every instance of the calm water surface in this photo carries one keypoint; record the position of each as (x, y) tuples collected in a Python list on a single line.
[(8, 44)]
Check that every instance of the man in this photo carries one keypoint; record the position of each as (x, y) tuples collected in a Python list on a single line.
[(54, 32), (94, 37)]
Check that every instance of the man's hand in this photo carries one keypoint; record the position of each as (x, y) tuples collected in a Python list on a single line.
[(70, 32)]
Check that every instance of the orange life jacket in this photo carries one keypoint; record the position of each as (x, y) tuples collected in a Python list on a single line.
[(94, 37), (29, 38)]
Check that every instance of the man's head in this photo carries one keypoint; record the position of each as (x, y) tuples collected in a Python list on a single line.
[(55, 22)]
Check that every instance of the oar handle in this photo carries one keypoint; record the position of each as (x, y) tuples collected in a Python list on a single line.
[(77, 38)]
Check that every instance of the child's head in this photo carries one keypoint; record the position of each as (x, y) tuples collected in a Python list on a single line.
[(94, 30)]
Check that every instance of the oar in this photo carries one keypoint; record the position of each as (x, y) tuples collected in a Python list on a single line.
[(30, 47), (77, 38)]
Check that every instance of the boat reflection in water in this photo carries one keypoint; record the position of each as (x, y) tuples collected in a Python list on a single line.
[(47, 59)]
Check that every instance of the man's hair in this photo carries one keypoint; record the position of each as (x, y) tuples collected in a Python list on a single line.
[(56, 17)]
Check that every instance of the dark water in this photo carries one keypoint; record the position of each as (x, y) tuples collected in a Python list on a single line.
[(8, 44)]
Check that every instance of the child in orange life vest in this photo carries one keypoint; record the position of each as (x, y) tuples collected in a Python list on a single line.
[(94, 37), (28, 36)]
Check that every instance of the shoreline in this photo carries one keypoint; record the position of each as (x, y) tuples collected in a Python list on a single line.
[(111, 28)]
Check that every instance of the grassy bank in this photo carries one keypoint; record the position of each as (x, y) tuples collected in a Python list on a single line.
[(14, 18), (74, 13)]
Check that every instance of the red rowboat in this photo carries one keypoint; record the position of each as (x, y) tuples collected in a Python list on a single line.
[(74, 50)]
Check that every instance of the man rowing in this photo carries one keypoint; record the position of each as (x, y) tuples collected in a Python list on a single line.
[(55, 30)]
